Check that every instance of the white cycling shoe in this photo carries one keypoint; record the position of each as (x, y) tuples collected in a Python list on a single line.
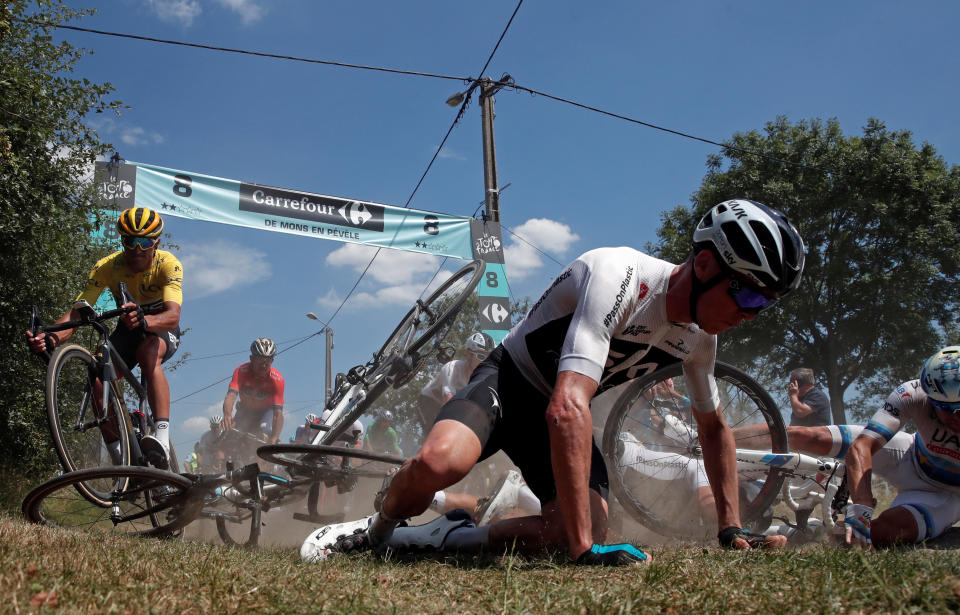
[(336, 538), (502, 500)]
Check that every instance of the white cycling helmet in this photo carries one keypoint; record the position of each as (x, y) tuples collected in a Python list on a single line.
[(755, 241), (386, 415), (312, 418), (216, 421), (480, 343), (940, 379), (263, 347)]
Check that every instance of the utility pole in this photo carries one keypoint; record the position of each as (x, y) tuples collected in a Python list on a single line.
[(329, 354), (488, 88), (326, 380)]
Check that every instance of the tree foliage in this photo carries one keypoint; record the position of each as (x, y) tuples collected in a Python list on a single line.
[(879, 217), (46, 149)]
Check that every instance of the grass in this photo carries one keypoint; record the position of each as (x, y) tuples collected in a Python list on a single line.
[(78, 574)]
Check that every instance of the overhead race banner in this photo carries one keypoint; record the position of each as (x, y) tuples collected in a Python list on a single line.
[(196, 196)]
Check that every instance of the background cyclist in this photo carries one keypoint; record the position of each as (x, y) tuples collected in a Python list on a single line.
[(453, 376), (146, 337), (382, 437), (257, 391), (208, 451)]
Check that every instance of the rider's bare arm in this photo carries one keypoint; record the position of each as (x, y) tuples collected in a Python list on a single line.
[(859, 463), (277, 424), (571, 431), (38, 344), (716, 440), (228, 403)]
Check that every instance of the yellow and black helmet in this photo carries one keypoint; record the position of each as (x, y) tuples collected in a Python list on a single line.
[(140, 222)]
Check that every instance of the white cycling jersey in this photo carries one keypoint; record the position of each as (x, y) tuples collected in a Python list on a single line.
[(353, 434), (453, 376), (936, 447), (605, 317)]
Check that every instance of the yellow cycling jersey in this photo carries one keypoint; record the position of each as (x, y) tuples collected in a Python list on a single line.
[(161, 282)]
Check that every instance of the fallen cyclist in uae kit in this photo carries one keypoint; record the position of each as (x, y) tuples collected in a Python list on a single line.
[(926, 470), (148, 336), (614, 314)]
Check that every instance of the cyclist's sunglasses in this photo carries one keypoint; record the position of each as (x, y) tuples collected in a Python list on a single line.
[(140, 243), (945, 406), (479, 355), (748, 299)]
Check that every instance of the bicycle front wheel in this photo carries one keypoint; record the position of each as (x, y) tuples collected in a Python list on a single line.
[(155, 503), (425, 326), (655, 460), (316, 459), (79, 425)]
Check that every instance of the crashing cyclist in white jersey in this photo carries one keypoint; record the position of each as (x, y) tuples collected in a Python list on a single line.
[(613, 315)]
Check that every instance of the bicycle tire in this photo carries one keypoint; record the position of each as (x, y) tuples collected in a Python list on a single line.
[(655, 481), (430, 320), (58, 502), (293, 456), (69, 391), (252, 533)]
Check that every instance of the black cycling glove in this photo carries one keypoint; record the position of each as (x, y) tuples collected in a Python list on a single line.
[(612, 555), (729, 534)]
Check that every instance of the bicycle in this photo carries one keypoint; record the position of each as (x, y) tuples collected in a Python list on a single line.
[(86, 403), (653, 451), (169, 501), (418, 335), (154, 502)]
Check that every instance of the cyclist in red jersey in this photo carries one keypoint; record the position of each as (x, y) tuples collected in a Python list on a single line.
[(259, 388)]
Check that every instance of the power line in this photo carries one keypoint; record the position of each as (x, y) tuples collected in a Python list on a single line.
[(463, 106), (248, 52), (656, 127), (473, 82)]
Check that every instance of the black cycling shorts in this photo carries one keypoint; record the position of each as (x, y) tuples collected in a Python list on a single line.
[(507, 413), (126, 342)]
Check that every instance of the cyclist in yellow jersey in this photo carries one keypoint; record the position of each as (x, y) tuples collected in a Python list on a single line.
[(155, 279)]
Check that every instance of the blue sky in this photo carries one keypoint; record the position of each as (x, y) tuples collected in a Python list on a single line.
[(579, 180)]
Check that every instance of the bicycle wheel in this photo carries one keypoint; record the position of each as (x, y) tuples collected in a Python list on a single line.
[(429, 321), (656, 464), (78, 422), (315, 459), (155, 503)]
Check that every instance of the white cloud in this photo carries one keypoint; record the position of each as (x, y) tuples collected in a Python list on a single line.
[(220, 265), (134, 135), (196, 425), (391, 266), (128, 134), (400, 276), (451, 154), (248, 10), (179, 12), (550, 236)]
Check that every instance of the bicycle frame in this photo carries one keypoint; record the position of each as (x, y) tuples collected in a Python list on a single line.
[(110, 369)]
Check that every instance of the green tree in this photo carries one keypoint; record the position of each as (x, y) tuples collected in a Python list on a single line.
[(46, 149), (879, 217)]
